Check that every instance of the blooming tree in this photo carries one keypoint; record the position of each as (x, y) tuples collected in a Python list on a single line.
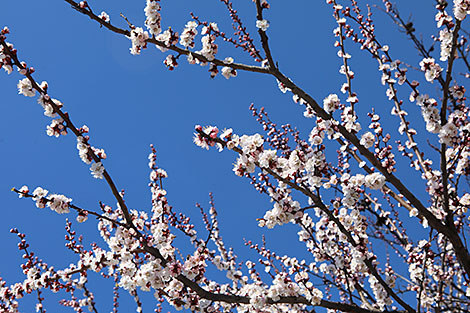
[(346, 209)]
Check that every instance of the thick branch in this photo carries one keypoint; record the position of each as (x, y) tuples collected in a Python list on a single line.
[(264, 37), (459, 248), (319, 203)]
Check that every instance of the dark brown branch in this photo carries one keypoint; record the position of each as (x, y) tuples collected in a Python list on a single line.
[(319, 203), (450, 63), (78, 209), (129, 224), (459, 248), (264, 37), (201, 58)]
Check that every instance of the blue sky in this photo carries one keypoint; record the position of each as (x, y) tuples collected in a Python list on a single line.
[(131, 101)]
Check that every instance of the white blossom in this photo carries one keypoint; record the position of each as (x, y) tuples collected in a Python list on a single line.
[(39, 195), (104, 16), (228, 72), (59, 203), (138, 40), (331, 103), (262, 24), (97, 170), (188, 34), (447, 133), (368, 140), (431, 69), (375, 181), (25, 88), (461, 9), (153, 18)]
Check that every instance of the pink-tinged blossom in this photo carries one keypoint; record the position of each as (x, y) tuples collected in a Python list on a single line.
[(48, 109), (5, 60), (349, 118), (340, 246), (431, 69), (463, 165), (209, 48), (244, 165), (191, 59), (331, 103), (23, 191), (341, 21), (202, 141), (228, 72), (168, 38), (59, 203), (465, 201), (170, 62), (348, 73), (352, 99), (368, 140), (211, 27), (430, 113), (343, 55), (374, 181), (251, 144), (25, 88), (97, 170), (82, 217), (262, 24), (138, 40), (381, 295), (461, 9), (82, 147), (457, 91), (445, 37), (442, 18), (413, 212), (39, 196), (282, 87), (226, 134), (104, 16), (99, 153), (153, 18), (231, 139), (351, 186), (268, 159), (448, 133), (314, 295), (324, 127), (188, 34), (56, 128)]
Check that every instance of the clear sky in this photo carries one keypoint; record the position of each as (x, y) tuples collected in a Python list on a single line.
[(130, 102)]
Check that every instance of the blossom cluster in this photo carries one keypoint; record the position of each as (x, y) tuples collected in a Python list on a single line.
[(56, 202), (138, 39), (153, 18), (430, 113), (461, 9), (86, 151), (5, 60), (445, 35), (167, 38), (188, 34), (335, 209), (27, 87), (209, 47), (431, 69)]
